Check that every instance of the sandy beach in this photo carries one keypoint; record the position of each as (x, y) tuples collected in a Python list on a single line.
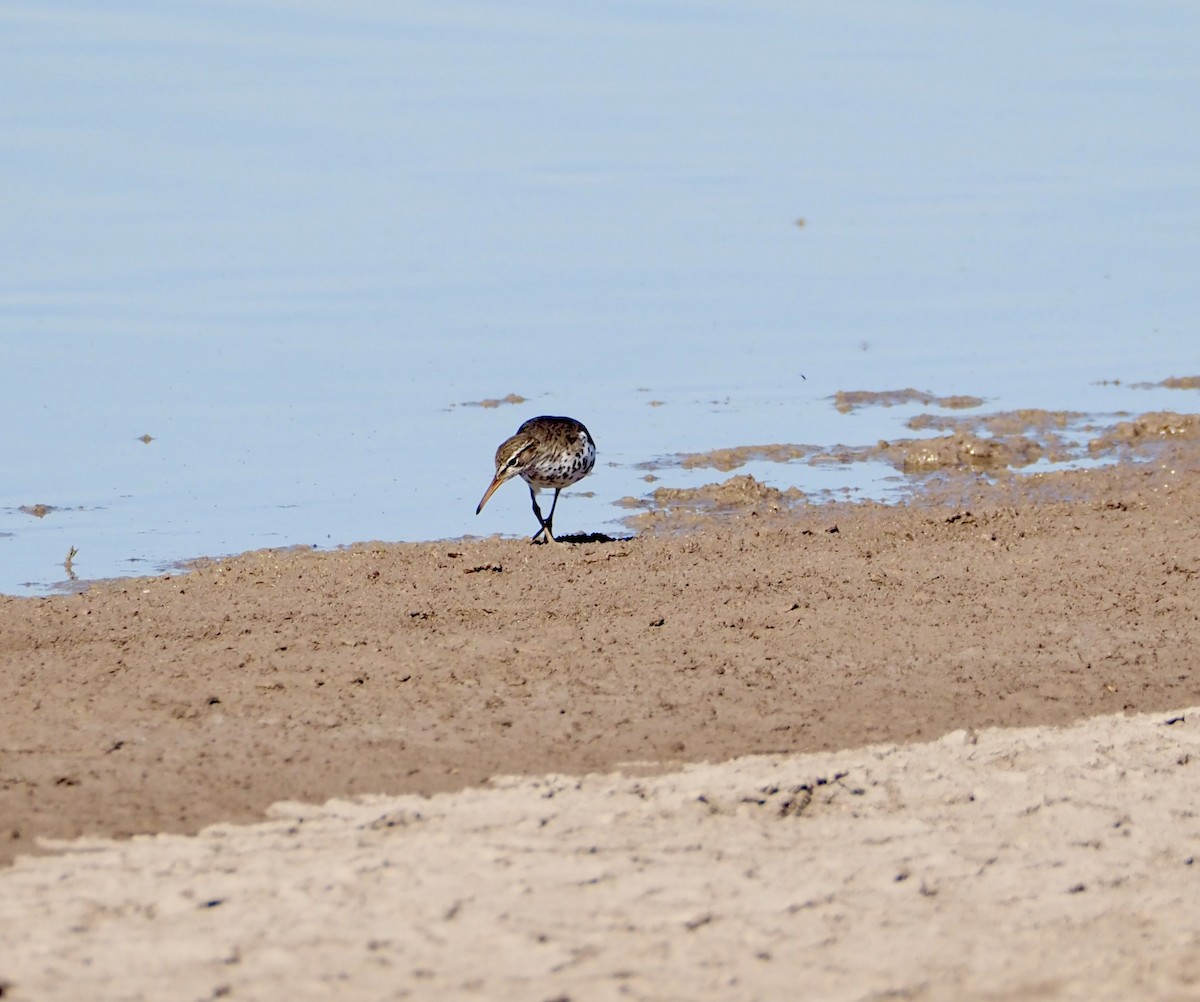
[(942, 749)]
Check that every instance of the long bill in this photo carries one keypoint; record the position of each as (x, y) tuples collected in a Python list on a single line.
[(497, 480)]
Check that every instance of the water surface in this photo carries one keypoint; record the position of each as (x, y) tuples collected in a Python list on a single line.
[(294, 243)]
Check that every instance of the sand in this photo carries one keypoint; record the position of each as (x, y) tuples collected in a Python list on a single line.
[(936, 750)]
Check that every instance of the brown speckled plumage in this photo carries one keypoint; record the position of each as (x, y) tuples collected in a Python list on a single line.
[(545, 452)]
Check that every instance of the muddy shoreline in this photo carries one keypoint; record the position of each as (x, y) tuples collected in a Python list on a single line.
[(169, 703)]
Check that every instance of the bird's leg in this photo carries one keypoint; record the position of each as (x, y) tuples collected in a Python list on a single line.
[(550, 517), (545, 526)]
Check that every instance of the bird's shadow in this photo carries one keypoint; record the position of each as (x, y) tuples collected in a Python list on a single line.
[(592, 537)]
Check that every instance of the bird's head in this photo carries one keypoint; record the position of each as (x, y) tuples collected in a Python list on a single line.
[(512, 458)]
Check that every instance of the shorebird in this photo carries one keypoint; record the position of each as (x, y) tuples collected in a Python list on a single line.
[(545, 452)]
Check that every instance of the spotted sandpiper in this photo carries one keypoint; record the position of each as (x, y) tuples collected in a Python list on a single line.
[(545, 452)]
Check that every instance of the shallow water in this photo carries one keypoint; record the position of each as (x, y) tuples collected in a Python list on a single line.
[(295, 244)]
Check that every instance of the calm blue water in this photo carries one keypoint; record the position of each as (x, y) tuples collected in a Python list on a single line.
[(289, 241)]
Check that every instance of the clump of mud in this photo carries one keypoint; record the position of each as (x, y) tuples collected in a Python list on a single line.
[(731, 459), (1170, 383), (1030, 420), (979, 443), (741, 495), (991, 448), (1146, 429), (961, 451), (1007, 439), (512, 398), (849, 400)]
